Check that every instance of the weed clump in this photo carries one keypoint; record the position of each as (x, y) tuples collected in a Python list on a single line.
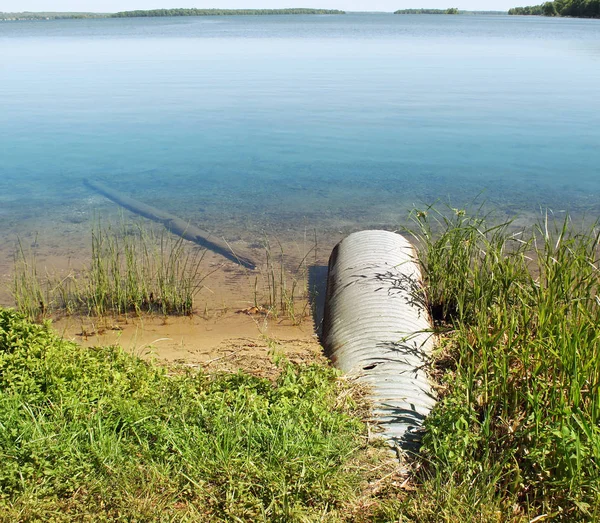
[(130, 270), (100, 433), (516, 435)]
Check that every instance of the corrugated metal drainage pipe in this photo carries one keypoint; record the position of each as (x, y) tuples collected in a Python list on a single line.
[(376, 326)]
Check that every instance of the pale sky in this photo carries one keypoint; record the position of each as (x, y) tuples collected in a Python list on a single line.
[(110, 6)]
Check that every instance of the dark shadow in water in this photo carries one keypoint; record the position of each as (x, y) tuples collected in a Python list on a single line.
[(317, 287)]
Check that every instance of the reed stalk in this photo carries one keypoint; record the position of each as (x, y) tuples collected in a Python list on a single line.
[(519, 310), (284, 284), (131, 271)]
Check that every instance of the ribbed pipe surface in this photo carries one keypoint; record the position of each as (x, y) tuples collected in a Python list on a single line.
[(376, 326)]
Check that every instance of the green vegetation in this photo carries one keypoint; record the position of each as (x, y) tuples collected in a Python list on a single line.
[(134, 271), (225, 12), (97, 434), (449, 11), (514, 437), (574, 8), (517, 432), (26, 15), (531, 10), (131, 270)]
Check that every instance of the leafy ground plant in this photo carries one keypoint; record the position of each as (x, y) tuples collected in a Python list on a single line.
[(516, 435), (98, 433)]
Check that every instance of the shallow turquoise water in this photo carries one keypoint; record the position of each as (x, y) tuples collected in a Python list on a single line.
[(282, 123)]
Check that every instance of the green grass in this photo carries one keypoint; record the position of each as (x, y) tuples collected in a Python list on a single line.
[(516, 434), (514, 437), (28, 290), (98, 433), (130, 270)]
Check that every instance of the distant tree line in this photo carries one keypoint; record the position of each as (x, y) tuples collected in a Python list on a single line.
[(225, 12), (530, 10), (49, 16), (574, 8), (168, 12), (449, 11), (482, 12)]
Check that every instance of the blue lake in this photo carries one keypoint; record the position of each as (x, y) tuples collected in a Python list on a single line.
[(256, 125)]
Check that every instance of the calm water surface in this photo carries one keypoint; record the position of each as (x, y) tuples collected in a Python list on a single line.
[(254, 124)]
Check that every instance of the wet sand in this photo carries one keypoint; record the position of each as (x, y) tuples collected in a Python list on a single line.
[(230, 341)]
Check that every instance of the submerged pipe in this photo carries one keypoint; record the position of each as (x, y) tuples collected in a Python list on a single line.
[(377, 327), (173, 224)]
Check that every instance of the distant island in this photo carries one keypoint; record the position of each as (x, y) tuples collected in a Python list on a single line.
[(572, 8), (226, 12), (168, 12), (26, 15), (449, 11)]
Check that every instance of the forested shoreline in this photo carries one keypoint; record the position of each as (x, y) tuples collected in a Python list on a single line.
[(449, 11), (570, 8), (167, 12), (50, 15), (26, 15), (224, 12), (562, 8)]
